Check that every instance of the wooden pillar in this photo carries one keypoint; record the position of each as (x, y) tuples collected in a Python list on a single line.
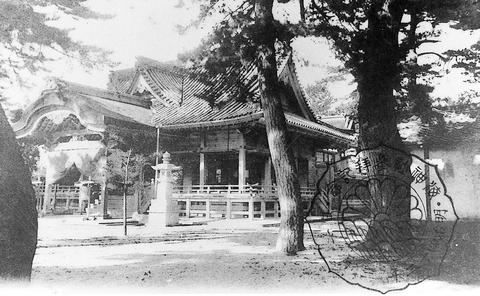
[(207, 209), (105, 199), (157, 155), (241, 162), (67, 202), (187, 177), (82, 193), (241, 166), (229, 210), (54, 199), (187, 208), (47, 198), (262, 209), (202, 169), (311, 180), (250, 209), (202, 160)]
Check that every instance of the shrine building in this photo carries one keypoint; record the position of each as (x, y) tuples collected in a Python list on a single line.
[(213, 130)]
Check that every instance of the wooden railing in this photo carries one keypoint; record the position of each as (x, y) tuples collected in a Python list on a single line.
[(232, 201), (64, 199), (228, 190)]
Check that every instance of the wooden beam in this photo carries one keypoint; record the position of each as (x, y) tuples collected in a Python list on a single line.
[(202, 169), (241, 166), (202, 160), (47, 198), (242, 162)]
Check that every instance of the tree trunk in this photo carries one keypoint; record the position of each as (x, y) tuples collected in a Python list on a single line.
[(18, 214), (290, 237), (378, 76), (301, 3)]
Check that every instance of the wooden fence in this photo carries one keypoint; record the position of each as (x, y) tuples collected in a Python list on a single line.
[(64, 199), (208, 201), (232, 201)]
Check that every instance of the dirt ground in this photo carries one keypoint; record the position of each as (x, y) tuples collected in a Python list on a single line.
[(86, 257)]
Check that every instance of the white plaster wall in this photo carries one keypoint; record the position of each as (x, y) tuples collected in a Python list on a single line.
[(461, 176)]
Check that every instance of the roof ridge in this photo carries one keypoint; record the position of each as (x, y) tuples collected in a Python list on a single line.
[(124, 71), (300, 86), (57, 84), (145, 62), (326, 125), (155, 88)]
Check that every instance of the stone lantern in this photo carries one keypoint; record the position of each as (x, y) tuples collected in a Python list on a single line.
[(163, 209)]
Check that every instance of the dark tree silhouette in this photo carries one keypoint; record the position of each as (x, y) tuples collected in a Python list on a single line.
[(378, 41), (24, 33)]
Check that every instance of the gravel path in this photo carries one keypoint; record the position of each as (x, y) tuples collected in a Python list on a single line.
[(220, 256)]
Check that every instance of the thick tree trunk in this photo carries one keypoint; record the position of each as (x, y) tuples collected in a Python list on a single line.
[(290, 238), (18, 215), (378, 76)]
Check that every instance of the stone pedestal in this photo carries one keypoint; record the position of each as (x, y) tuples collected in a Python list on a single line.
[(163, 210)]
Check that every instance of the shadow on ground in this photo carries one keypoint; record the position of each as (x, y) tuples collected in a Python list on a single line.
[(462, 263), (217, 259)]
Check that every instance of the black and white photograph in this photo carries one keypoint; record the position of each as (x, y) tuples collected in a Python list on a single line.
[(324, 147)]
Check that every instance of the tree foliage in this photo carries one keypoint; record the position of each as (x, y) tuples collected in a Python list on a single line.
[(116, 163), (348, 25), (234, 39), (380, 42), (29, 40), (119, 146), (324, 103), (29, 148)]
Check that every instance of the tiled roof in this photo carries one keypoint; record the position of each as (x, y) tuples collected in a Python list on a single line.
[(320, 128), (93, 106), (294, 122), (288, 74), (215, 122), (63, 85), (112, 104), (189, 98), (121, 80), (174, 86), (198, 110), (122, 111)]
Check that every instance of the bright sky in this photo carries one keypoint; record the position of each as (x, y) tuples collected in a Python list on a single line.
[(138, 28), (148, 28)]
